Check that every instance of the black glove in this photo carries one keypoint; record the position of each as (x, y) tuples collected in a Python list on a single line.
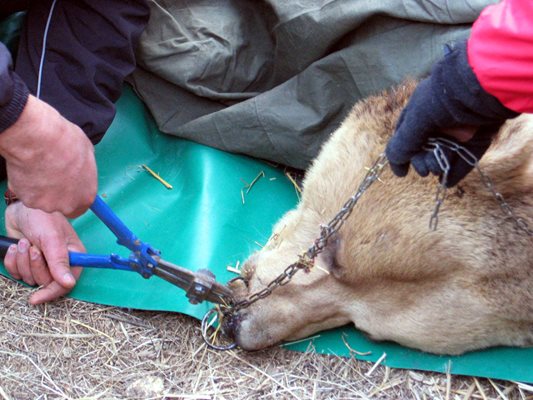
[(450, 97)]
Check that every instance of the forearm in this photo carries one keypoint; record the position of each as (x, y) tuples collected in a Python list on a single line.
[(23, 141), (50, 161)]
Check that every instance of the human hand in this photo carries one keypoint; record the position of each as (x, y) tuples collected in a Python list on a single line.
[(41, 255), (449, 103), (50, 162)]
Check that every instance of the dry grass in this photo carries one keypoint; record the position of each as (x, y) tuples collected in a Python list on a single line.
[(74, 350)]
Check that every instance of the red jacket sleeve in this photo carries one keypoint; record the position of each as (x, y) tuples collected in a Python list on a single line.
[(500, 51)]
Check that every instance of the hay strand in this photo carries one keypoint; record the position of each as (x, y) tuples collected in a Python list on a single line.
[(156, 176)]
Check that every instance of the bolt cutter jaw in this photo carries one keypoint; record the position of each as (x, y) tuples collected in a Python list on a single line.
[(199, 286)]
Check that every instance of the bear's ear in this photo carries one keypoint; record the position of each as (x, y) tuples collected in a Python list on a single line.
[(509, 160)]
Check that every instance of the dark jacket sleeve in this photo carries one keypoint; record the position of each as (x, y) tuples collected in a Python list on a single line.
[(90, 49), (13, 91)]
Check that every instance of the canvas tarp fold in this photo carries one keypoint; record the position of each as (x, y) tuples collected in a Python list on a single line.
[(274, 78)]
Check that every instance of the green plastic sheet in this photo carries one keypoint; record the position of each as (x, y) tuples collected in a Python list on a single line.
[(208, 219), (203, 223)]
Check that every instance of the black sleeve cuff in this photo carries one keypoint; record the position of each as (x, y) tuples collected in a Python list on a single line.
[(11, 110), (458, 90)]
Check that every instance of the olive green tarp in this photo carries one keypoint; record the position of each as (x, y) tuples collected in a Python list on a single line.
[(203, 223), (273, 78)]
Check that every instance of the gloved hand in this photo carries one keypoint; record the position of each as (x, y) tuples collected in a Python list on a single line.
[(451, 97)]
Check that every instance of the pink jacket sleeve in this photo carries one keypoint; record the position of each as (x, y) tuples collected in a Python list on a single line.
[(500, 51)]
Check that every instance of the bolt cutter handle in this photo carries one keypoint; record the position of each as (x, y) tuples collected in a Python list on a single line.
[(125, 237), (144, 259), (80, 259), (144, 256), (5, 242)]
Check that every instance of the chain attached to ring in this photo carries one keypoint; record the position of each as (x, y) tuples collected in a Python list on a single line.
[(306, 260)]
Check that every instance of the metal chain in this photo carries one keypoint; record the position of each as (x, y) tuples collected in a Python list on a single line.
[(471, 160), (520, 222), (306, 260), (440, 195)]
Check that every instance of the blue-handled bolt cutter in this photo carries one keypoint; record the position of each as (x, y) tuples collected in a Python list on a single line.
[(144, 259)]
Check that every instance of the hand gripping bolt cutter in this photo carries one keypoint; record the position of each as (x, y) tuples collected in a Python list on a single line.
[(144, 259)]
